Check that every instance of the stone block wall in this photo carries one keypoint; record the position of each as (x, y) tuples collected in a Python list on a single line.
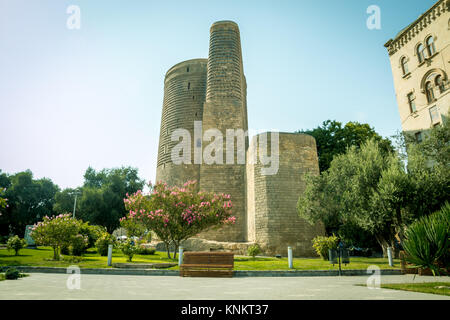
[(272, 199)]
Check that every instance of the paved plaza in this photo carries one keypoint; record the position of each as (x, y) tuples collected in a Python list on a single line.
[(54, 286)]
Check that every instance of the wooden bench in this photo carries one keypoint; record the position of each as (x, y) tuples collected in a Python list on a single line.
[(207, 264)]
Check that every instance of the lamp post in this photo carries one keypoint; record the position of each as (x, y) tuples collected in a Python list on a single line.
[(74, 206)]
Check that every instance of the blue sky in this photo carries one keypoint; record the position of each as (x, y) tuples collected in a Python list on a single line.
[(70, 99)]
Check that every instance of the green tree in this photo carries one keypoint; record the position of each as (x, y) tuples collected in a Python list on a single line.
[(365, 187), (333, 139), (56, 232), (428, 167), (65, 200), (101, 202), (28, 200)]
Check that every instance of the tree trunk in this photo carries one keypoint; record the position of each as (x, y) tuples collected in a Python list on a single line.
[(383, 244), (177, 244), (167, 249), (55, 253)]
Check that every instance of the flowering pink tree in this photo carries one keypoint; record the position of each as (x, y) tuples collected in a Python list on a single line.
[(56, 232), (178, 213)]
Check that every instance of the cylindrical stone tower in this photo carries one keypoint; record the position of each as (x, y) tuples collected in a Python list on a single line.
[(225, 108), (184, 95)]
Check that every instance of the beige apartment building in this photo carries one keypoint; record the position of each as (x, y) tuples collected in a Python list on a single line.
[(420, 62)]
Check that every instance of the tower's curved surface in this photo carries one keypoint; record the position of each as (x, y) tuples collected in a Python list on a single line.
[(184, 95)]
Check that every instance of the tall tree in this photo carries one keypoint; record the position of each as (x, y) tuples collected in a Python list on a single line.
[(365, 187), (103, 192), (333, 139), (29, 200), (65, 200)]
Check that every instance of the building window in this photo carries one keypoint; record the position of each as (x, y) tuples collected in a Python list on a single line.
[(421, 53), (412, 102), (439, 83), (187, 69), (404, 63), (430, 46), (419, 136), (434, 115), (189, 85), (429, 92)]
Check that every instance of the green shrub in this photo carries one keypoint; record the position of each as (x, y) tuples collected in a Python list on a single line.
[(253, 250), (65, 250), (15, 243), (78, 244), (427, 241), (92, 233), (145, 251), (12, 274), (128, 248), (322, 244), (103, 242)]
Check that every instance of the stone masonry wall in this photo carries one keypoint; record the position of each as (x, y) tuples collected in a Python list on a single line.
[(272, 199)]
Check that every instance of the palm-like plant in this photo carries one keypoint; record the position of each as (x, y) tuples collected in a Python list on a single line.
[(427, 241)]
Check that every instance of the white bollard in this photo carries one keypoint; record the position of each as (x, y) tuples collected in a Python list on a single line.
[(389, 252), (110, 247), (291, 265), (180, 256)]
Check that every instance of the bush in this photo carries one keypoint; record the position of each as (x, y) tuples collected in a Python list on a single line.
[(103, 242), (78, 244), (427, 241), (128, 248), (12, 274), (92, 233), (15, 243), (65, 250), (253, 250), (322, 244), (56, 232), (145, 251)]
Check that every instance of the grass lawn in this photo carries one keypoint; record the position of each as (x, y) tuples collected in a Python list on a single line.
[(442, 288), (42, 257)]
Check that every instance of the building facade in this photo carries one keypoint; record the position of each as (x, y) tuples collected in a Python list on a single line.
[(420, 62), (207, 95)]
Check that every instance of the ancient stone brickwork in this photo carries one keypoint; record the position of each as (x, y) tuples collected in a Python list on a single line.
[(272, 199), (224, 109), (184, 95)]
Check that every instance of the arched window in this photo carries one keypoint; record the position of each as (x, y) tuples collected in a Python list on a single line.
[(421, 53), (439, 83), (404, 63), (429, 91), (430, 46)]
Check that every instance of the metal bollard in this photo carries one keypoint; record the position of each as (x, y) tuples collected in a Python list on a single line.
[(291, 265), (180, 256), (389, 253), (110, 247)]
